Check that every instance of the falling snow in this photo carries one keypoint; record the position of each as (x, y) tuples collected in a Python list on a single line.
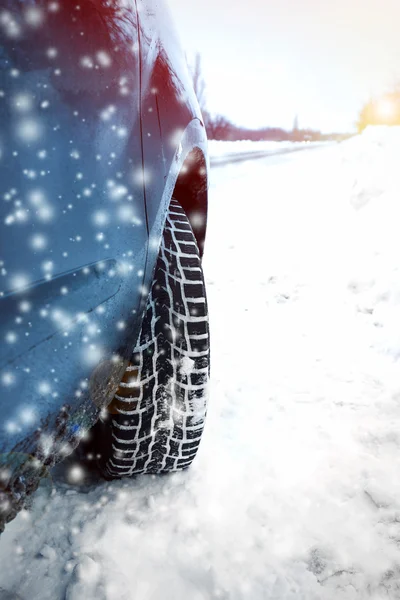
[(294, 491)]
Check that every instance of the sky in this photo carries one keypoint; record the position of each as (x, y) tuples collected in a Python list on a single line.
[(266, 61)]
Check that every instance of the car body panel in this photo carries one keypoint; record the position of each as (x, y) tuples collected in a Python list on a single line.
[(94, 132), (170, 113), (74, 237)]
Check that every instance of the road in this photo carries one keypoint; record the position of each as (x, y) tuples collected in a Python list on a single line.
[(295, 491), (219, 160)]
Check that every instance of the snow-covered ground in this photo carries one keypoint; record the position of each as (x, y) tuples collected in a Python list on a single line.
[(222, 153), (219, 148), (295, 493)]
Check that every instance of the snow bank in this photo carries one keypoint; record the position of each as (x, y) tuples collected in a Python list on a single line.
[(371, 164), (295, 493)]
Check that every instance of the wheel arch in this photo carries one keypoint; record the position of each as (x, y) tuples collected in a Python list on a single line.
[(191, 191), (187, 181)]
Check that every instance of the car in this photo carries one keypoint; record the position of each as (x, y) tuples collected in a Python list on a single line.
[(104, 177)]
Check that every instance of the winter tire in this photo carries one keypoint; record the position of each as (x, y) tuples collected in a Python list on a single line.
[(156, 419)]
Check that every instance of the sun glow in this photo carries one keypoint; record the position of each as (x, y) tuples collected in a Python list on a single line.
[(386, 108)]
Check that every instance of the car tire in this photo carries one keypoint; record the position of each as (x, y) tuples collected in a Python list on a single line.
[(156, 420)]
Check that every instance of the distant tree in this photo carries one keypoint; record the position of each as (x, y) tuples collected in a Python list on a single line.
[(220, 128)]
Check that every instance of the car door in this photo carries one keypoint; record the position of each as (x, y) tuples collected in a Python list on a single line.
[(74, 234)]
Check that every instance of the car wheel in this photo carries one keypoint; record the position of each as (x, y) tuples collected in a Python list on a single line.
[(155, 422)]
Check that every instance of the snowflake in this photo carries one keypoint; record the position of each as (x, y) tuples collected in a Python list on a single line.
[(22, 102), (91, 329), (197, 219), (29, 130), (62, 319), (34, 16), (7, 379), (44, 388), (103, 59), (12, 427), (125, 213), (76, 474), (100, 218), (47, 266), (124, 268), (25, 306), (141, 176), (53, 7), (37, 197), (28, 415), (19, 281), (9, 220), (87, 62), (117, 192), (93, 354), (107, 113), (38, 242), (10, 27), (45, 213), (52, 52)]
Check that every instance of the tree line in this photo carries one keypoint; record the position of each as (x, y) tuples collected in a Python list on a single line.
[(219, 127)]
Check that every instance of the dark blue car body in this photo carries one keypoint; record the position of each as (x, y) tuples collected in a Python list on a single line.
[(99, 126)]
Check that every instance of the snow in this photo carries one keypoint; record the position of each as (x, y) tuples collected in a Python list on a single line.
[(222, 153), (218, 148), (295, 493)]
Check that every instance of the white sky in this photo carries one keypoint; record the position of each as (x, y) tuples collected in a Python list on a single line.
[(265, 61)]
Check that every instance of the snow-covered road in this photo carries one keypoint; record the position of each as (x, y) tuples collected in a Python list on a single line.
[(223, 153), (295, 493)]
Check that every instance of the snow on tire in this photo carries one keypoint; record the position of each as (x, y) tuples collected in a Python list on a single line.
[(156, 419)]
